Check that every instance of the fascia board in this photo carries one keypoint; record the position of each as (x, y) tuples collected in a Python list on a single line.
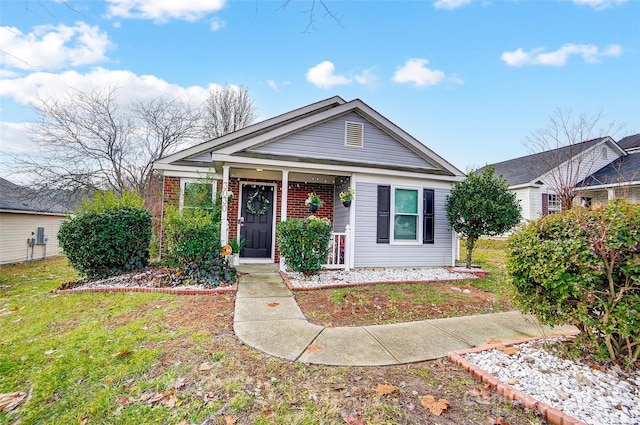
[(609, 185), (31, 212), (221, 141)]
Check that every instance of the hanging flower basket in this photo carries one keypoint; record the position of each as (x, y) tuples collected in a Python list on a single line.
[(346, 203), (313, 201)]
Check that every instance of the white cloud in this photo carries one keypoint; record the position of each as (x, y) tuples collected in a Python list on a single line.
[(450, 4), (599, 4), (54, 47), (272, 84), (217, 24), (367, 77), (538, 56), (415, 71), (322, 76), (15, 138), (163, 10), (26, 90)]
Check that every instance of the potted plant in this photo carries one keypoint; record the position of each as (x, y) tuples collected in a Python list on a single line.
[(313, 202), (347, 196), (236, 247)]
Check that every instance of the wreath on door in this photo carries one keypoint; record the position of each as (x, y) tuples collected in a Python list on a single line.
[(257, 196)]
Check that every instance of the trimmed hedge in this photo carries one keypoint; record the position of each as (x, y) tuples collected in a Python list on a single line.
[(582, 267), (304, 243), (108, 242)]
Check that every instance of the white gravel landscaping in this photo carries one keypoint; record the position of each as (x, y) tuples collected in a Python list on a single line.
[(328, 278), (597, 397)]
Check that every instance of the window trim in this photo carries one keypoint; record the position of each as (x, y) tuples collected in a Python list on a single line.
[(183, 183), (418, 215)]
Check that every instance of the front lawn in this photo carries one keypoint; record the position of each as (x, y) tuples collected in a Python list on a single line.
[(139, 358)]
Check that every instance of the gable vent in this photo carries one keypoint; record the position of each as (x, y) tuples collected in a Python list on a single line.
[(353, 134)]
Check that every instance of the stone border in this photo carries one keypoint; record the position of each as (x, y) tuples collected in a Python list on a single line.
[(174, 291), (287, 281), (551, 414)]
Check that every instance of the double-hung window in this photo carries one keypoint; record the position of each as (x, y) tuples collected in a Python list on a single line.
[(405, 215), (196, 194)]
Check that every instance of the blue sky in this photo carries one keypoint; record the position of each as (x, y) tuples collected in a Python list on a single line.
[(469, 79)]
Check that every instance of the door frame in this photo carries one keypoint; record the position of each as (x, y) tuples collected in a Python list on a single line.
[(273, 220)]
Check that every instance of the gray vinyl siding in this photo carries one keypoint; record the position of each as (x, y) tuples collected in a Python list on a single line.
[(326, 140), (368, 253), (340, 213)]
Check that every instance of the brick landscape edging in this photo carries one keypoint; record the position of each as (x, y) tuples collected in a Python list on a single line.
[(551, 414), (174, 291), (291, 287)]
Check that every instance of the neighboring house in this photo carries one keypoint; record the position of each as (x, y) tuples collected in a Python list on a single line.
[(603, 169), (397, 217), (28, 224)]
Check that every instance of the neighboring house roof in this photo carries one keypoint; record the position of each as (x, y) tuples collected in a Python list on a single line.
[(630, 143), (529, 168), (624, 170), (256, 143), (15, 198)]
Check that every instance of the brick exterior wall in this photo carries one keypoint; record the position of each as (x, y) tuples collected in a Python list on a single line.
[(296, 207)]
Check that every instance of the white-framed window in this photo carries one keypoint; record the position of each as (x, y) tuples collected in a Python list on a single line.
[(197, 194), (554, 203), (405, 208)]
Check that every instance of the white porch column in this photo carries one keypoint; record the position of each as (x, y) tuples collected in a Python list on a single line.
[(224, 214), (283, 207), (353, 182), (611, 193), (285, 194)]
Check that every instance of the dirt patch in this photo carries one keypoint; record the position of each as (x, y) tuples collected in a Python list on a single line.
[(384, 304)]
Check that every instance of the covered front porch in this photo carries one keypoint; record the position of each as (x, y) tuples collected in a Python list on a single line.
[(254, 200)]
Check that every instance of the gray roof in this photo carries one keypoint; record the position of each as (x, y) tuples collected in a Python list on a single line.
[(20, 198), (528, 168), (630, 142), (623, 170)]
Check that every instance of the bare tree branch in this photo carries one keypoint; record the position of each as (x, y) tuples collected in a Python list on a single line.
[(227, 110), (564, 154)]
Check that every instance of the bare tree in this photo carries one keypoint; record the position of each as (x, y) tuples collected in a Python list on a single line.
[(91, 141), (228, 109), (564, 154)]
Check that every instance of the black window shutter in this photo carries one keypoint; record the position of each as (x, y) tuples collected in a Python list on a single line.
[(428, 221), (384, 212), (545, 204)]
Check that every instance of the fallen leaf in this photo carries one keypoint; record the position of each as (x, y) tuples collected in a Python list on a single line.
[(82, 420), (252, 293), (329, 326), (313, 348), (497, 421), (205, 367), (157, 397), (124, 401), (16, 308), (507, 350), (435, 407), (385, 389), (122, 353), (352, 419), (493, 341), (267, 412), (9, 401), (480, 392), (230, 420), (274, 304)]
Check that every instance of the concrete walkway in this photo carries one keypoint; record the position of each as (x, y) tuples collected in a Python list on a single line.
[(268, 319)]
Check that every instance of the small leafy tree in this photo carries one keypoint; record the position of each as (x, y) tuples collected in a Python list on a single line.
[(304, 243), (109, 235), (582, 267), (481, 205)]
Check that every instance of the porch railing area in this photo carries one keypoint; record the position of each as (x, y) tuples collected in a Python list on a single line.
[(339, 250)]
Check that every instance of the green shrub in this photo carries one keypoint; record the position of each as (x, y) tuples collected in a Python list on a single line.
[(582, 267), (193, 242), (108, 242), (304, 243)]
